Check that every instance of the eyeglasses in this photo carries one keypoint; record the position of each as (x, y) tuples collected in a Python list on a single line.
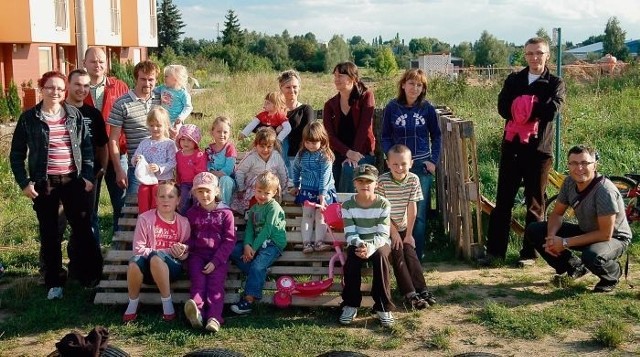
[(534, 54), (575, 164), (53, 89)]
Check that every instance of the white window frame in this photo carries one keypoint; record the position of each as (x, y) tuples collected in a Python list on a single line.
[(153, 16), (61, 17), (115, 17)]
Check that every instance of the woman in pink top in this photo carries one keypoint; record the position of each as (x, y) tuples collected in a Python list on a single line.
[(159, 249)]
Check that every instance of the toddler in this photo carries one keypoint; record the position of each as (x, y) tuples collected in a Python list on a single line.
[(221, 156), (274, 114), (212, 240), (190, 161), (174, 96), (313, 182), (160, 153)]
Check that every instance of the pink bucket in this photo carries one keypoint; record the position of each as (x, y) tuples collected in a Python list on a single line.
[(333, 216)]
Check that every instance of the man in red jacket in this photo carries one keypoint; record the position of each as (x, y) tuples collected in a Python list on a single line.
[(104, 91)]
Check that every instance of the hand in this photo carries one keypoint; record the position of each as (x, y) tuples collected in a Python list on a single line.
[(248, 254), (100, 173), (173, 131), (553, 245), (121, 178), (430, 166), (209, 268), (88, 185), (350, 162), (177, 250), (361, 251), (278, 129), (217, 173), (354, 156), (136, 159), (396, 242), (154, 168), (30, 191), (408, 239)]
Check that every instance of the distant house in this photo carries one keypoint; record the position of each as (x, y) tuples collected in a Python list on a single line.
[(438, 63), (581, 53), (37, 36)]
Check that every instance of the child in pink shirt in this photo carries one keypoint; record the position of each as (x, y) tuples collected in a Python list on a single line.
[(190, 161)]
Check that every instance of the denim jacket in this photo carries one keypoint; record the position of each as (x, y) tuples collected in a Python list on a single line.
[(31, 138)]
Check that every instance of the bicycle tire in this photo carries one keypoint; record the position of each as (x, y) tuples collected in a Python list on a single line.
[(569, 214), (624, 185)]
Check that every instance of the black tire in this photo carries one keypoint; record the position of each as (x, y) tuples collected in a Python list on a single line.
[(214, 352), (624, 185), (342, 354), (476, 354)]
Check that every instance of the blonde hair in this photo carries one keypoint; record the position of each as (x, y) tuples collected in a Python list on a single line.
[(267, 135), (173, 184), (221, 119), (315, 132), (277, 99), (268, 180), (179, 72), (161, 116)]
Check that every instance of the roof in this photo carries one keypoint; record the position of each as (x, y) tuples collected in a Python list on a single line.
[(595, 47)]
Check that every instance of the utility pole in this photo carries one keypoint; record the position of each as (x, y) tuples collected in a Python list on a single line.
[(81, 32)]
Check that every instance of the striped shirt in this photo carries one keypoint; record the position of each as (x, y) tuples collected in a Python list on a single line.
[(368, 225), (400, 194), (313, 171), (59, 156), (130, 113)]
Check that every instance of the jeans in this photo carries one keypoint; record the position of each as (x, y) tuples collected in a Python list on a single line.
[(420, 225), (256, 270), (343, 173), (286, 158), (132, 187), (94, 202), (600, 258), (116, 194)]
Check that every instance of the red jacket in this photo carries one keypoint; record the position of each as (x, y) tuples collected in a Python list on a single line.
[(362, 114), (113, 89)]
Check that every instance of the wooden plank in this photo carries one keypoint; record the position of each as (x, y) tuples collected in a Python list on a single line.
[(287, 256), (292, 238), (273, 270)]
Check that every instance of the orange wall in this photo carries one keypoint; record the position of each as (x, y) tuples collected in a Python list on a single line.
[(15, 23), (130, 18), (91, 27)]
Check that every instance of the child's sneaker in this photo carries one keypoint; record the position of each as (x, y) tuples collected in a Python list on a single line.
[(242, 307), (308, 248), (417, 302), (55, 293), (386, 319), (427, 296), (321, 247), (193, 313), (213, 325), (348, 314)]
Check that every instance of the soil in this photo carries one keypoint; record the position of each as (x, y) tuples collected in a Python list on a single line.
[(466, 289)]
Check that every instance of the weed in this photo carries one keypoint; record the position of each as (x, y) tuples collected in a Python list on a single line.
[(611, 333), (441, 338)]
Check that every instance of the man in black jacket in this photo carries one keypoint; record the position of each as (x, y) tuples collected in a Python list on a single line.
[(526, 153)]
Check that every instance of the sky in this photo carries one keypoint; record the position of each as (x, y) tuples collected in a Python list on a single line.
[(451, 21)]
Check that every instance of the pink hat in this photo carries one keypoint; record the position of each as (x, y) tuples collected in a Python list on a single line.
[(190, 131), (205, 180)]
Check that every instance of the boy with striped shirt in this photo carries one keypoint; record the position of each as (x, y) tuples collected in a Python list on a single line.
[(366, 228), (402, 189)]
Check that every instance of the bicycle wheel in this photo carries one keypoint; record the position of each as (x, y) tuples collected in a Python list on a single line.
[(624, 185), (569, 214)]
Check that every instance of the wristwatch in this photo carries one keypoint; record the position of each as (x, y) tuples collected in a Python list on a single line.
[(565, 243)]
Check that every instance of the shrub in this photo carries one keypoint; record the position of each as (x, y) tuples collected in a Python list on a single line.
[(124, 72), (13, 101), (4, 109)]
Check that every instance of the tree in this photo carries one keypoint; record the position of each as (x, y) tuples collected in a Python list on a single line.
[(232, 34), (490, 51), (386, 65), (465, 51), (13, 101), (613, 41), (593, 39), (169, 26), (337, 51)]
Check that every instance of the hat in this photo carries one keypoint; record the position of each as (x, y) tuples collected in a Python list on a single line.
[(205, 180), (366, 171), (190, 131)]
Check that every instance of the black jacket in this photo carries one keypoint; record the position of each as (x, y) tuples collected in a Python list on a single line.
[(550, 91), (31, 138)]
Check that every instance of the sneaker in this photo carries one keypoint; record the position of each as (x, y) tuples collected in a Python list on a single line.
[(605, 286), (242, 307), (577, 272), (427, 296), (348, 314), (488, 261), (213, 325), (417, 302), (321, 247), (386, 319), (55, 293), (308, 248), (193, 313)]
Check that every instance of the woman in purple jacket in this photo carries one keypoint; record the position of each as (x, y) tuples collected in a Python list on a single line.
[(411, 120), (348, 119)]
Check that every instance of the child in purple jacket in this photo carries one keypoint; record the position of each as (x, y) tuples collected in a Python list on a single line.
[(211, 242)]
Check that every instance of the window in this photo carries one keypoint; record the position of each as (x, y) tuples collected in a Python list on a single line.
[(45, 59), (115, 17), (154, 18), (60, 8)]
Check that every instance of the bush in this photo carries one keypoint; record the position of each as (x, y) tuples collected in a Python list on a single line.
[(13, 101), (4, 109), (123, 72)]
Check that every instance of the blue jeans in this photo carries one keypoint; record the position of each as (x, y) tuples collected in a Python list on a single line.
[(256, 270), (286, 158), (116, 194), (132, 187), (343, 173), (420, 226)]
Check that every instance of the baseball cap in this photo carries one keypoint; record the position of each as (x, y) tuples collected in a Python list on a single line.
[(205, 180), (366, 171), (189, 131)]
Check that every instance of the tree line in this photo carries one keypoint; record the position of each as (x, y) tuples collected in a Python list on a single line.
[(238, 49)]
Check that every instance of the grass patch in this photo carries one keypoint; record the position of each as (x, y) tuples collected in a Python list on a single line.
[(440, 338), (611, 333)]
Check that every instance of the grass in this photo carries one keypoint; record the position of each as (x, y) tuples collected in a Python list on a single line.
[(602, 114)]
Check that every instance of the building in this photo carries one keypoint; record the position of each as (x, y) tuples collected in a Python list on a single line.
[(438, 64), (37, 36), (583, 52)]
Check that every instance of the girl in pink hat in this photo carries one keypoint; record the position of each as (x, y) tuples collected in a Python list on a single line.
[(190, 161)]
